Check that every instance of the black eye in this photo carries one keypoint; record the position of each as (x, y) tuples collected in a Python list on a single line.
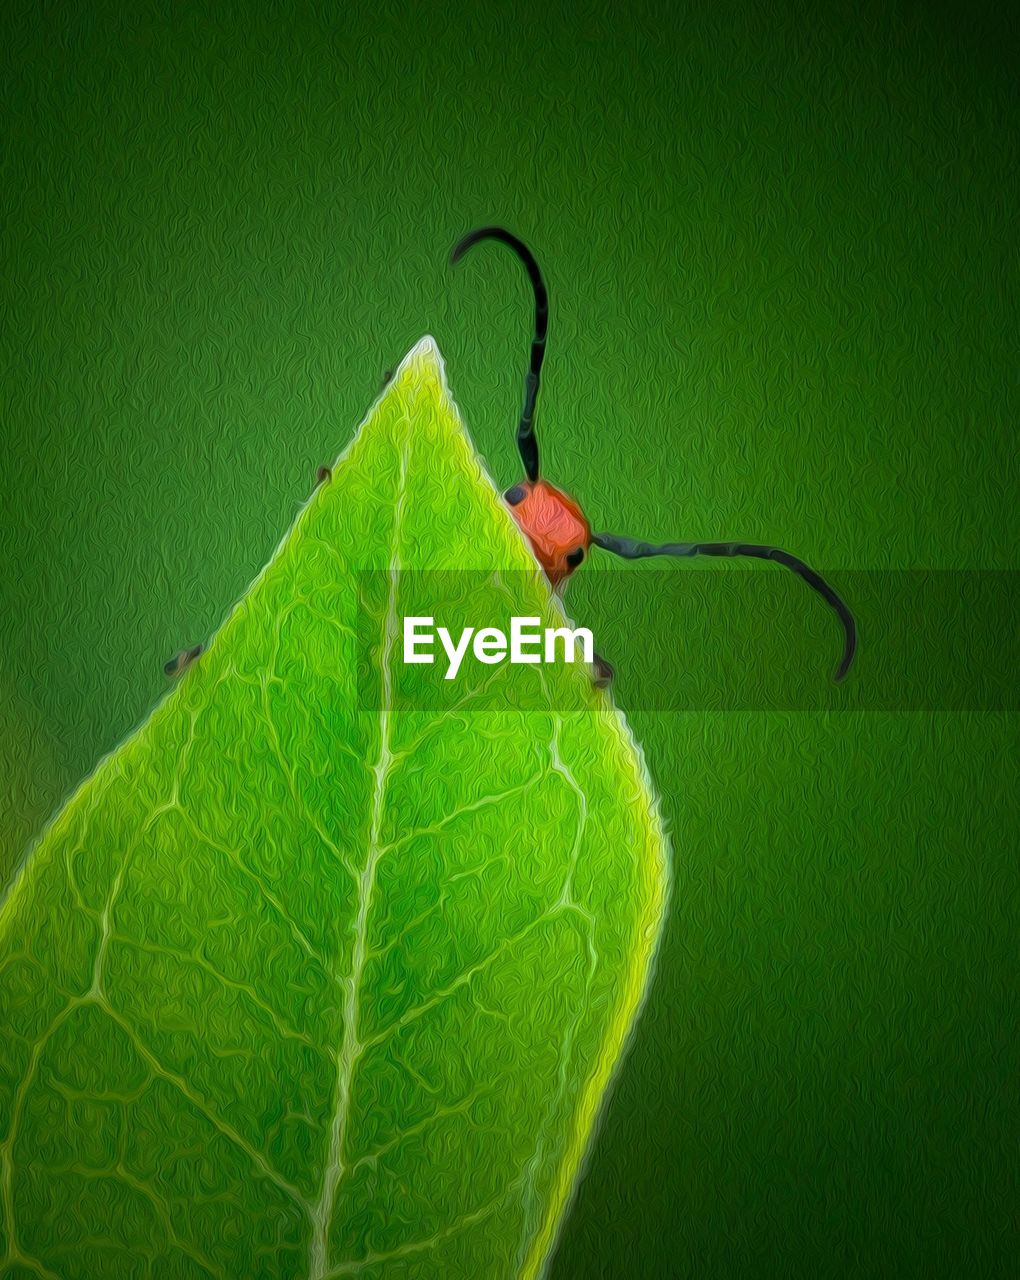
[(514, 495), (575, 557)]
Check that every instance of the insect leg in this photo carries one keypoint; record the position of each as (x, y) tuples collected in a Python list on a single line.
[(604, 672), (181, 661)]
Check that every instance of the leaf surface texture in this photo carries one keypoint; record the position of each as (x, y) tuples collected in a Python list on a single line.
[(315, 978)]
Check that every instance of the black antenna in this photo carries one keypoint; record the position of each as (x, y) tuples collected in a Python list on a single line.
[(631, 550), (526, 442)]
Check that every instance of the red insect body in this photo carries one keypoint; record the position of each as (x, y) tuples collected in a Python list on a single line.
[(554, 525)]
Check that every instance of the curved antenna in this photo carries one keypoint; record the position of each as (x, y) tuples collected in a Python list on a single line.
[(526, 442), (631, 550)]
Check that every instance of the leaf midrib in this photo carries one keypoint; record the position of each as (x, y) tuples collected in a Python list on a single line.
[(351, 1046)]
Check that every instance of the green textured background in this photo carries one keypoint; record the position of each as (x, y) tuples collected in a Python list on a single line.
[(781, 250)]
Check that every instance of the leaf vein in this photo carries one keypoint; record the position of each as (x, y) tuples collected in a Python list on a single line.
[(201, 1105), (351, 1047), (284, 1029)]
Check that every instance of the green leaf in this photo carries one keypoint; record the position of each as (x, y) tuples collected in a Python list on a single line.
[(309, 979)]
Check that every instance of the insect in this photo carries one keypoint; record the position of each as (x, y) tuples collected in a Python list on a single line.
[(181, 661), (555, 525)]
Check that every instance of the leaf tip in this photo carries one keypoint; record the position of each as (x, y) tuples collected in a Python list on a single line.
[(426, 348), (421, 392), (424, 358)]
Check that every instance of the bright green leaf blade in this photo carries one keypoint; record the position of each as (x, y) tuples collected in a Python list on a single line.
[(311, 980)]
